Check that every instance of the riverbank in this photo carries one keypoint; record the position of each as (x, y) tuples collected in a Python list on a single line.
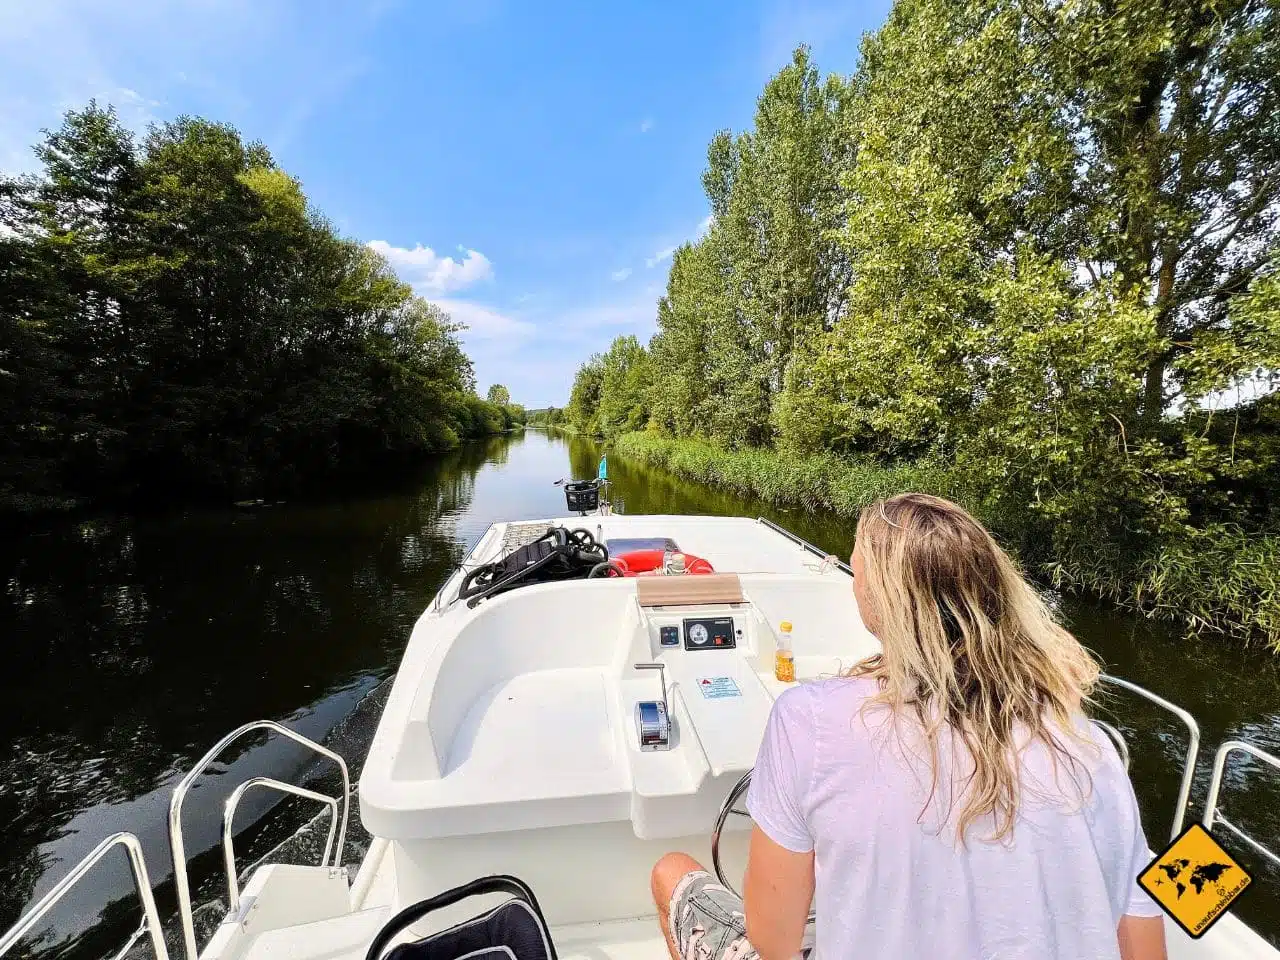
[(1222, 580)]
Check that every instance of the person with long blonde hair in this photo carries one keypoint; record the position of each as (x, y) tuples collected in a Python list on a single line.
[(945, 799)]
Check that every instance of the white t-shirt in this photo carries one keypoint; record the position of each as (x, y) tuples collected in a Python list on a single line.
[(893, 882)]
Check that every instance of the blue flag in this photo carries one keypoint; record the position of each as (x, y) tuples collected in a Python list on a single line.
[(603, 472)]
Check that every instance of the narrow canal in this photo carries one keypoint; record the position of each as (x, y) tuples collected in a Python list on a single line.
[(135, 642)]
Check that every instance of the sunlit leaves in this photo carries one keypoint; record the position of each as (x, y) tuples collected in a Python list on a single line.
[(1033, 240)]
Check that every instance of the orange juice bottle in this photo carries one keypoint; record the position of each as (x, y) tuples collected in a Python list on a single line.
[(784, 661)]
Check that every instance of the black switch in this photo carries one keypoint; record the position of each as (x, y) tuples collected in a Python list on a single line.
[(669, 636)]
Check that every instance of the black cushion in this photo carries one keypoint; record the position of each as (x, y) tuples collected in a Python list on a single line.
[(514, 930)]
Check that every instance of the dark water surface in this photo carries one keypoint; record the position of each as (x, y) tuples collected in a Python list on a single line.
[(135, 642)]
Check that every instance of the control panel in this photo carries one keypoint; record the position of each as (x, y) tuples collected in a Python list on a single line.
[(709, 633), (676, 634)]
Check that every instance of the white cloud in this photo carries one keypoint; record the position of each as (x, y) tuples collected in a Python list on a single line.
[(535, 351), (133, 96), (432, 274), (646, 124), (638, 315), (664, 254), (484, 322), (135, 111)]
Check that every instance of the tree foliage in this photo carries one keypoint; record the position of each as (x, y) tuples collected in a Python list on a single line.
[(547, 417), (769, 269), (1037, 242), (175, 318), (611, 392)]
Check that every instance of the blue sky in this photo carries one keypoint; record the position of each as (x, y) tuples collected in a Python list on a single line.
[(528, 166)]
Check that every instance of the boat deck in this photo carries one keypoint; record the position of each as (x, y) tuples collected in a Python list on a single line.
[(512, 743)]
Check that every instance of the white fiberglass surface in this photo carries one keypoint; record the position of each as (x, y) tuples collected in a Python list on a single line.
[(555, 720)]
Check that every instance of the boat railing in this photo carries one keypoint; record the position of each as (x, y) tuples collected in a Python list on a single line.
[(181, 881), (150, 917), (229, 815), (826, 557), (1193, 745), (461, 570), (1213, 815)]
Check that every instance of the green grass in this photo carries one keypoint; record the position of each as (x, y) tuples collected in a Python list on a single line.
[(1215, 580), (821, 482)]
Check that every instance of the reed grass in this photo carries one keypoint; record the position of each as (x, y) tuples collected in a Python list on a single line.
[(1218, 579), (822, 481)]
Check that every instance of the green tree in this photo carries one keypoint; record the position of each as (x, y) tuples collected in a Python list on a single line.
[(1032, 250), (1035, 243), (499, 394), (584, 398), (175, 318), (768, 272), (624, 387), (694, 295)]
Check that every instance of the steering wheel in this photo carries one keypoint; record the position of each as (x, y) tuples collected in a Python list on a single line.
[(727, 809)]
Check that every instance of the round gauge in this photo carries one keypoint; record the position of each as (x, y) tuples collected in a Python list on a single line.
[(698, 634)]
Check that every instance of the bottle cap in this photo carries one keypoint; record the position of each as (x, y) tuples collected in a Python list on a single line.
[(786, 626)]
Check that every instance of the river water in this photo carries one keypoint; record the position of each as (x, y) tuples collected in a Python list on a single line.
[(136, 641)]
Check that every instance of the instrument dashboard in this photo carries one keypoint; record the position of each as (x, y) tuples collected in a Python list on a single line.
[(710, 633)]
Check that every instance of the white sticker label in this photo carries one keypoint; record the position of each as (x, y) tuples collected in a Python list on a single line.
[(718, 688)]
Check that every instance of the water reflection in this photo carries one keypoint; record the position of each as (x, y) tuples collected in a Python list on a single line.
[(136, 642)]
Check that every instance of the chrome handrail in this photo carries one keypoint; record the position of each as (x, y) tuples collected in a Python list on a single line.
[(228, 841), (150, 918), (1193, 746), (827, 557), (180, 879), (437, 602), (1212, 814)]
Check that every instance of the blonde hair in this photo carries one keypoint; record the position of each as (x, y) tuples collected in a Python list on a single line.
[(968, 647)]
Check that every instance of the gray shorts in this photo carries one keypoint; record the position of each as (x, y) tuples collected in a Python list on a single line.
[(707, 921)]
